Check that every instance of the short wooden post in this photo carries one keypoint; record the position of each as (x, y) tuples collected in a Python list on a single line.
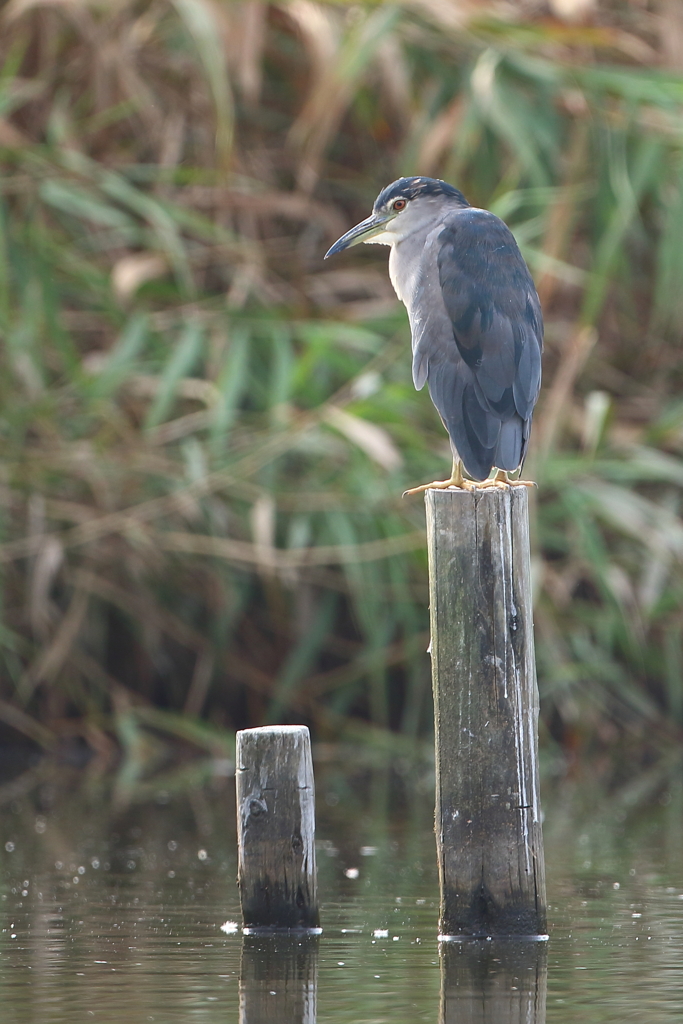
[(493, 982), (278, 979), (276, 829), (488, 823)]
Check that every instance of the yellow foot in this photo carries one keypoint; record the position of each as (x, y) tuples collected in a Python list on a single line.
[(442, 485), (501, 479)]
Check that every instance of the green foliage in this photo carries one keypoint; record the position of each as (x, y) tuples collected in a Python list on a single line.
[(206, 431)]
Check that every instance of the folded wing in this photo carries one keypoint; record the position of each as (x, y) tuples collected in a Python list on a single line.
[(483, 364)]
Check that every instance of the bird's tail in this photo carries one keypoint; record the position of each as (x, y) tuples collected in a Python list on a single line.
[(511, 446)]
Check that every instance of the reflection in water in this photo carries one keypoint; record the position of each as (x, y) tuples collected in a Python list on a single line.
[(278, 979), (500, 982)]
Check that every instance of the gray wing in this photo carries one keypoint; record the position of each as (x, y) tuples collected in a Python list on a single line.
[(484, 366)]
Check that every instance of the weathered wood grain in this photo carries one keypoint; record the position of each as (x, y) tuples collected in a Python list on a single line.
[(278, 979), (488, 821), (501, 982), (276, 828)]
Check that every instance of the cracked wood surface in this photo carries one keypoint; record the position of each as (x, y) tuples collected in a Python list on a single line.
[(488, 821)]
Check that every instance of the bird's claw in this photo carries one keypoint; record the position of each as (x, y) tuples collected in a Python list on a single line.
[(486, 485), (502, 480), (441, 485), (460, 484), (523, 483)]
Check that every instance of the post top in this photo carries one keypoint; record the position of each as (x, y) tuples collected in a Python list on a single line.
[(511, 493), (278, 730)]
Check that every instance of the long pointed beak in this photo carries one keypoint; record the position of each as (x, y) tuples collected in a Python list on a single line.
[(363, 232)]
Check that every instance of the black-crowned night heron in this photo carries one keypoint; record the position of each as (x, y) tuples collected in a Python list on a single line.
[(475, 319)]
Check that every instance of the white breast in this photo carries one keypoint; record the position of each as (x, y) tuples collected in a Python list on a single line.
[(409, 264)]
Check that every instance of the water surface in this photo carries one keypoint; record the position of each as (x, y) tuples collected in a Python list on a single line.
[(131, 913)]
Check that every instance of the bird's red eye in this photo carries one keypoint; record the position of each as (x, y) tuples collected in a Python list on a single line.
[(399, 204)]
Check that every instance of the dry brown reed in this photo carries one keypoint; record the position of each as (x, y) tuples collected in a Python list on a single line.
[(205, 430)]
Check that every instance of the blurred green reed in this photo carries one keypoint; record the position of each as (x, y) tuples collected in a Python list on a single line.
[(206, 430)]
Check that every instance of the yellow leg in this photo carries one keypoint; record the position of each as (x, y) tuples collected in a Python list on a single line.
[(456, 480)]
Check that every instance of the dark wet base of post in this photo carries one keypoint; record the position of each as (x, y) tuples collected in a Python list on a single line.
[(273, 902), (477, 915)]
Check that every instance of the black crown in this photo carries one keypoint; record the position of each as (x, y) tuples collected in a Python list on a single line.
[(411, 188)]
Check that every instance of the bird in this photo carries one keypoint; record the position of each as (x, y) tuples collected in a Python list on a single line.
[(475, 320)]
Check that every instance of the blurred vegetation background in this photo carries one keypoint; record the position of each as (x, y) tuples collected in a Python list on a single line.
[(205, 431)]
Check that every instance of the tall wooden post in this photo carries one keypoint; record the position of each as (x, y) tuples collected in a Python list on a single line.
[(488, 823), (276, 829), (493, 982)]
